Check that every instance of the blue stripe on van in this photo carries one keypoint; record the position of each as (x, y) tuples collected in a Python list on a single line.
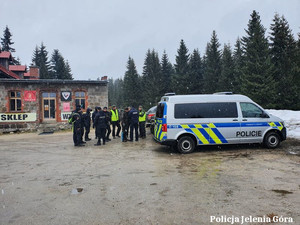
[(255, 124), (219, 135), (278, 124), (206, 135), (227, 124)]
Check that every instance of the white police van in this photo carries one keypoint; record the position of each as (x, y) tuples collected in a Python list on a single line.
[(185, 121)]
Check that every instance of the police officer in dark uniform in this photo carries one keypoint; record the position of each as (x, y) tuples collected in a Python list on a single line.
[(100, 124), (75, 120), (93, 120), (125, 124), (87, 123), (108, 119), (133, 116), (77, 130)]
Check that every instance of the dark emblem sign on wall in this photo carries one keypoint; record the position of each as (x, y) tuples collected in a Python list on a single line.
[(66, 96)]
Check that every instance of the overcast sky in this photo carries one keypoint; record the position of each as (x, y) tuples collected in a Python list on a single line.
[(97, 36)]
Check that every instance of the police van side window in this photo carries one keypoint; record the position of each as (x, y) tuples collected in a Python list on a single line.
[(160, 110), (249, 110), (206, 110)]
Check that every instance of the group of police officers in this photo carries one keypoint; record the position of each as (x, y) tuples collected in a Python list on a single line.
[(133, 122)]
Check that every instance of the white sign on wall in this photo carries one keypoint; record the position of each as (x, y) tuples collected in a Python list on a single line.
[(17, 117), (65, 115)]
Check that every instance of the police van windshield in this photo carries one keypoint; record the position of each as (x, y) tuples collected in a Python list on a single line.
[(160, 110)]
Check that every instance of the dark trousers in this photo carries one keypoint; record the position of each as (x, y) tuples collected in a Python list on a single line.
[(96, 135), (108, 131), (76, 137), (125, 132), (87, 131), (134, 127), (142, 126), (101, 134), (114, 125), (82, 133)]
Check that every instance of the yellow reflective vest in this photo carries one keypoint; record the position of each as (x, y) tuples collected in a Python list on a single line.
[(142, 116), (114, 115)]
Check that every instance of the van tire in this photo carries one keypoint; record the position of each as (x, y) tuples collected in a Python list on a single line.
[(272, 140), (186, 145)]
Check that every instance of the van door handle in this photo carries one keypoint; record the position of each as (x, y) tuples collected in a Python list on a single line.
[(244, 119), (235, 120)]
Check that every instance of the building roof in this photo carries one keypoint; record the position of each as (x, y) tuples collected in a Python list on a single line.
[(5, 55), (55, 81), (18, 68), (8, 73)]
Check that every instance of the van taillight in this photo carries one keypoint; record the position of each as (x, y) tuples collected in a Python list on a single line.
[(164, 128)]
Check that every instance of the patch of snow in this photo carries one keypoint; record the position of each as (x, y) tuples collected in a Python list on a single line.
[(291, 120)]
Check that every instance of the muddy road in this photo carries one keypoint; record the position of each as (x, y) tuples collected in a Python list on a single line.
[(45, 180)]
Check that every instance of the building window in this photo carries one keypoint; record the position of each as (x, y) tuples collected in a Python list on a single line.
[(15, 101), (80, 99)]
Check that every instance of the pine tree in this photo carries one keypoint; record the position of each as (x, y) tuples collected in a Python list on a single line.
[(119, 93), (151, 79), (57, 65), (40, 59), (283, 52), (68, 75), (196, 73), (131, 85), (167, 72), (257, 77), (181, 82), (6, 41), (35, 56), (238, 66), (226, 79), (60, 69), (212, 65), (111, 93)]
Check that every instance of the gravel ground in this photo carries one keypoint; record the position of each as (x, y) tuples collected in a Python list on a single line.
[(44, 179)]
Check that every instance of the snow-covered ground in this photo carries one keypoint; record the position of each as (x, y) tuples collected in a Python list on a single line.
[(291, 119)]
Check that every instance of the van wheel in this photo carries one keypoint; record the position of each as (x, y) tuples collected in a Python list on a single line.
[(272, 140), (186, 145)]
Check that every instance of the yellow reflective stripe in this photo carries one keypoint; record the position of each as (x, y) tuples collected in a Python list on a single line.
[(211, 125), (200, 135), (185, 126), (198, 126), (214, 137), (272, 124), (161, 135), (158, 131)]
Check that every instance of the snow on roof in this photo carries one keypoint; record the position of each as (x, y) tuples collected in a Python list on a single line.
[(17, 68)]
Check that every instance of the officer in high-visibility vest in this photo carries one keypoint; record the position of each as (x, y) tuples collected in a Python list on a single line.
[(142, 122), (115, 121)]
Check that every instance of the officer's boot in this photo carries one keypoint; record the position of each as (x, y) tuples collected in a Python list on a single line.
[(98, 142)]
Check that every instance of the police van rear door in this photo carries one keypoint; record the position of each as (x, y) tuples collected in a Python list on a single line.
[(160, 129)]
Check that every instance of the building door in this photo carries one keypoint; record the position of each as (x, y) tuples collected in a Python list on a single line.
[(49, 105)]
